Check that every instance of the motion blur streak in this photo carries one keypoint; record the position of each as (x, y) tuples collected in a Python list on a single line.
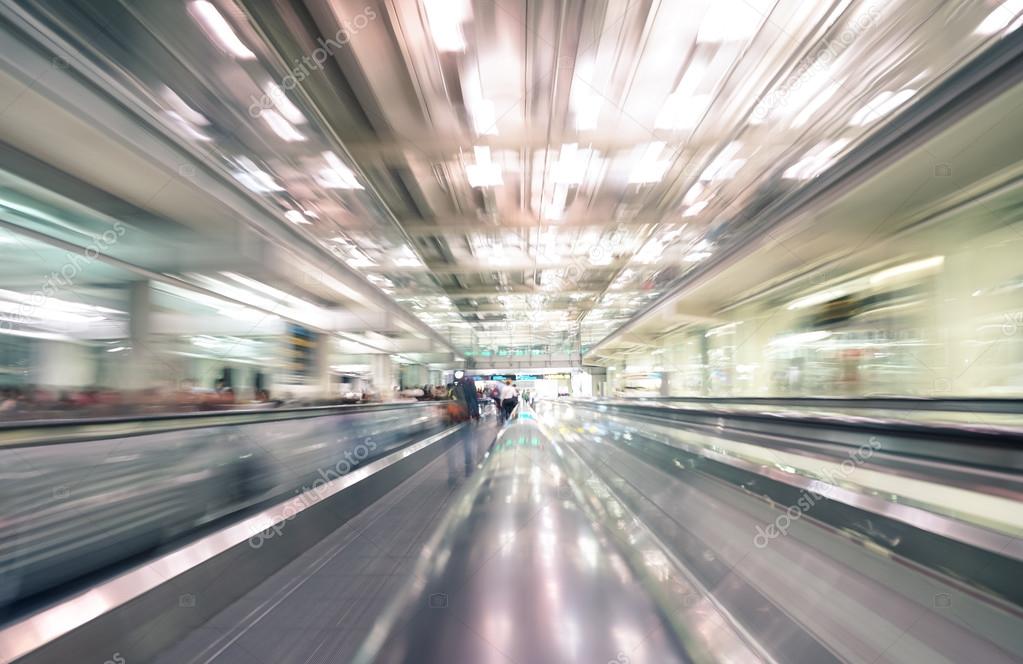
[(458, 301)]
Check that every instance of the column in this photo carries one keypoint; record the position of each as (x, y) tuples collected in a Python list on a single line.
[(322, 359), (138, 372), (383, 371)]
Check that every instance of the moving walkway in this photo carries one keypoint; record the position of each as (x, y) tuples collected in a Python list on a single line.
[(595, 531)]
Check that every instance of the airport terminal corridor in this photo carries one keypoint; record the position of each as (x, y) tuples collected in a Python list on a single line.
[(511, 331)]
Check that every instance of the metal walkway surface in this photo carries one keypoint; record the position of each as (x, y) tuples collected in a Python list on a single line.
[(482, 556), (582, 534), (320, 607)]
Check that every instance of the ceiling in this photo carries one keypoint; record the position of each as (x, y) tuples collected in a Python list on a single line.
[(519, 174)]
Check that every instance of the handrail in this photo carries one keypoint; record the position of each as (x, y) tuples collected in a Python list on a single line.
[(26, 433), (946, 429), (982, 448), (953, 404)]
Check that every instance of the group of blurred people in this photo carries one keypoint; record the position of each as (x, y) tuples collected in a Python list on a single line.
[(466, 397), (36, 402)]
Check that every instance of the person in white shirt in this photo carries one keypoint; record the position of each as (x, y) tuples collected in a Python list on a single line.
[(509, 399)]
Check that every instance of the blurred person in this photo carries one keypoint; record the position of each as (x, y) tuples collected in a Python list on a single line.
[(509, 399), (10, 401), (457, 409), (468, 386)]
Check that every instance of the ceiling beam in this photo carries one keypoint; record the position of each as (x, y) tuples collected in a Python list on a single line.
[(483, 266), (497, 290), (458, 226), (438, 147)]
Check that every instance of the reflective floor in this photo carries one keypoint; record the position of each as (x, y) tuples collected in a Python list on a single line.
[(566, 537)]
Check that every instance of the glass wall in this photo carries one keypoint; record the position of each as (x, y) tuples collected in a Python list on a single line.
[(945, 319)]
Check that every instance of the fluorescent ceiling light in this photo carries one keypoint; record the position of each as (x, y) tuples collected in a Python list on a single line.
[(296, 217), (647, 164), (880, 106), (187, 127), (814, 105), (283, 104), (650, 252), (446, 18), (684, 108), (804, 91), (484, 117), (244, 314), (816, 160), (698, 252), (727, 328), (693, 194), (586, 102), (261, 287), (117, 349), (219, 30), (682, 111), (801, 338), (555, 209), (569, 169), (732, 20), (46, 312), (724, 166), (179, 106), (355, 256), (281, 127), (254, 178), (57, 304), (407, 258), (337, 175), (49, 336), (817, 298), (907, 268), (484, 173), (1000, 18), (358, 258), (695, 209), (573, 164), (587, 111)]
